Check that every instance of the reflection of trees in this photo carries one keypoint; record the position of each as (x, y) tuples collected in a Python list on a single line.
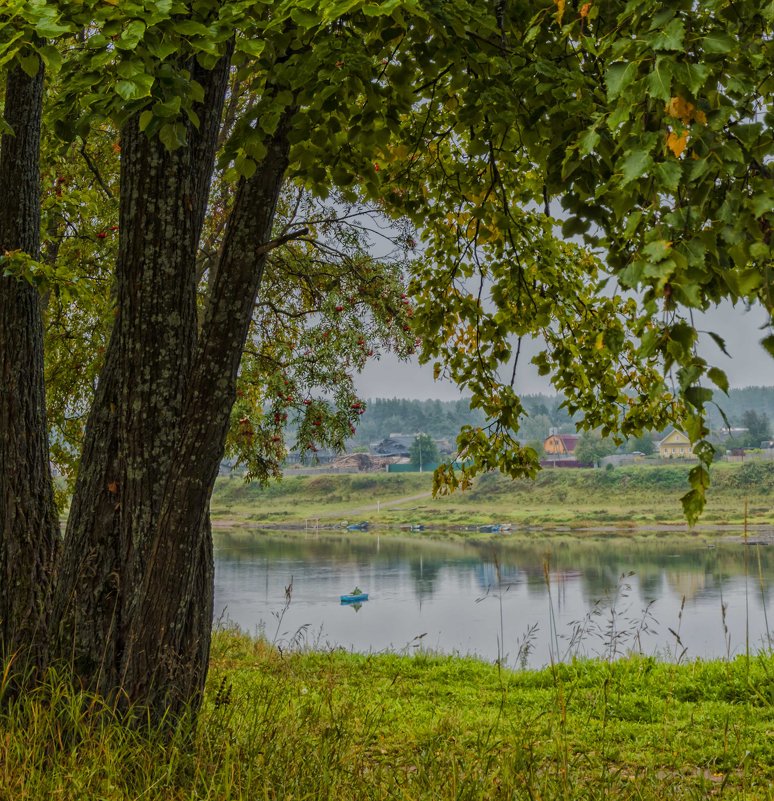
[(651, 585), (424, 572), (686, 584), (491, 576), (689, 568)]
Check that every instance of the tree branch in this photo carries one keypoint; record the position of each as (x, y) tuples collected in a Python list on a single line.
[(280, 240)]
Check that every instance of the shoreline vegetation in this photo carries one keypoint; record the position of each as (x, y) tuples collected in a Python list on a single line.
[(283, 721), (636, 499), (279, 724)]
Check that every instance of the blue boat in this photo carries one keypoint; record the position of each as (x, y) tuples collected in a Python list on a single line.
[(357, 527), (354, 599), (489, 529)]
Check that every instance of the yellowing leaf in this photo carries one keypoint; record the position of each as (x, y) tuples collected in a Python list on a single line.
[(677, 144), (584, 10), (684, 110), (559, 10), (680, 109)]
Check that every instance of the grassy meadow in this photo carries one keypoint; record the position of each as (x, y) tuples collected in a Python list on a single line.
[(637, 496), (334, 725)]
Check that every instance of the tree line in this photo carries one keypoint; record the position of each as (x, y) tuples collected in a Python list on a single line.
[(444, 419)]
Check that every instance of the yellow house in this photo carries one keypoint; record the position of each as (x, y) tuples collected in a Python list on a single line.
[(675, 445), (560, 444)]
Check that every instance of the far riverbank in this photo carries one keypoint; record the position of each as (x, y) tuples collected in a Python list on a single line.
[(640, 499)]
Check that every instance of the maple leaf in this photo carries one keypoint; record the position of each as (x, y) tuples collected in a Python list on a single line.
[(113, 487), (559, 10)]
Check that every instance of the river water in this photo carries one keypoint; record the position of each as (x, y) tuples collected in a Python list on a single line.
[(527, 603)]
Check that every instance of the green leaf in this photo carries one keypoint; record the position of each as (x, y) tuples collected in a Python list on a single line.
[(671, 37), (768, 344), (138, 87), (49, 28), (30, 63), (660, 80), (658, 250), (52, 58), (718, 43), (304, 18), (693, 505), (245, 166), (718, 378), (189, 27), (719, 341), (253, 47), (131, 36), (694, 76), (145, 119), (635, 165), (171, 108), (160, 48), (573, 226), (668, 174), (698, 396), (587, 141), (762, 203), (172, 135), (618, 77), (699, 477)]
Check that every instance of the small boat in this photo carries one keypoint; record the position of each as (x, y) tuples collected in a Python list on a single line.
[(417, 527), (493, 529), (354, 598), (357, 527)]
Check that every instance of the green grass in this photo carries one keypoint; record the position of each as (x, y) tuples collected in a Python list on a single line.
[(630, 496), (334, 725)]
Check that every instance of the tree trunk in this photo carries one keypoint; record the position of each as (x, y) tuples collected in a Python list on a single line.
[(166, 657), (29, 529), (134, 425)]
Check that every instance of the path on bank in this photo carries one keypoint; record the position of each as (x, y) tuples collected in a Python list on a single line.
[(374, 507)]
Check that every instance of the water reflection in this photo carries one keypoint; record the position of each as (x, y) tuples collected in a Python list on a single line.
[(597, 597)]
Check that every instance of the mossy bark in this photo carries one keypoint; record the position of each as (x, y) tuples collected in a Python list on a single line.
[(29, 531), (134, 426)]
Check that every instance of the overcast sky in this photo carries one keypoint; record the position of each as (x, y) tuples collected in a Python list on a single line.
[(749, 364)]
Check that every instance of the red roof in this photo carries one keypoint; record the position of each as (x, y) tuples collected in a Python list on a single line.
[(569, 441)]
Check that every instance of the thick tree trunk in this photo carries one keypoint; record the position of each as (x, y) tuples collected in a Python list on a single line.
[(166, 656), (134, 426), (29, 529)]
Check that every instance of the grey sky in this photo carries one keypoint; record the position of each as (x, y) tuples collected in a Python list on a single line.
[(749, 364)]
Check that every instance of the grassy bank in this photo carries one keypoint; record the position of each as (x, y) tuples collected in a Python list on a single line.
[(343, 726), (628, 496)]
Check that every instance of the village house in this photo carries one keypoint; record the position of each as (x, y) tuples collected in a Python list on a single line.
[(560, 444), (675, 445)]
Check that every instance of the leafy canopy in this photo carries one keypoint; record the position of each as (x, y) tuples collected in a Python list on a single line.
[(649, 126)]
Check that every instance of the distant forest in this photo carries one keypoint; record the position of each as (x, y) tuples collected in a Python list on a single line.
[(443, 419)]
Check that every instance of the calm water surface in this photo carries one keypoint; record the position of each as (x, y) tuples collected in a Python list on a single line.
[(603, 597)]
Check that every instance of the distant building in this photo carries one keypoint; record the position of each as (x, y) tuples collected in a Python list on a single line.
[(560, 444), (675, 445), (391, 447), (731, 433), (397, 444)]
